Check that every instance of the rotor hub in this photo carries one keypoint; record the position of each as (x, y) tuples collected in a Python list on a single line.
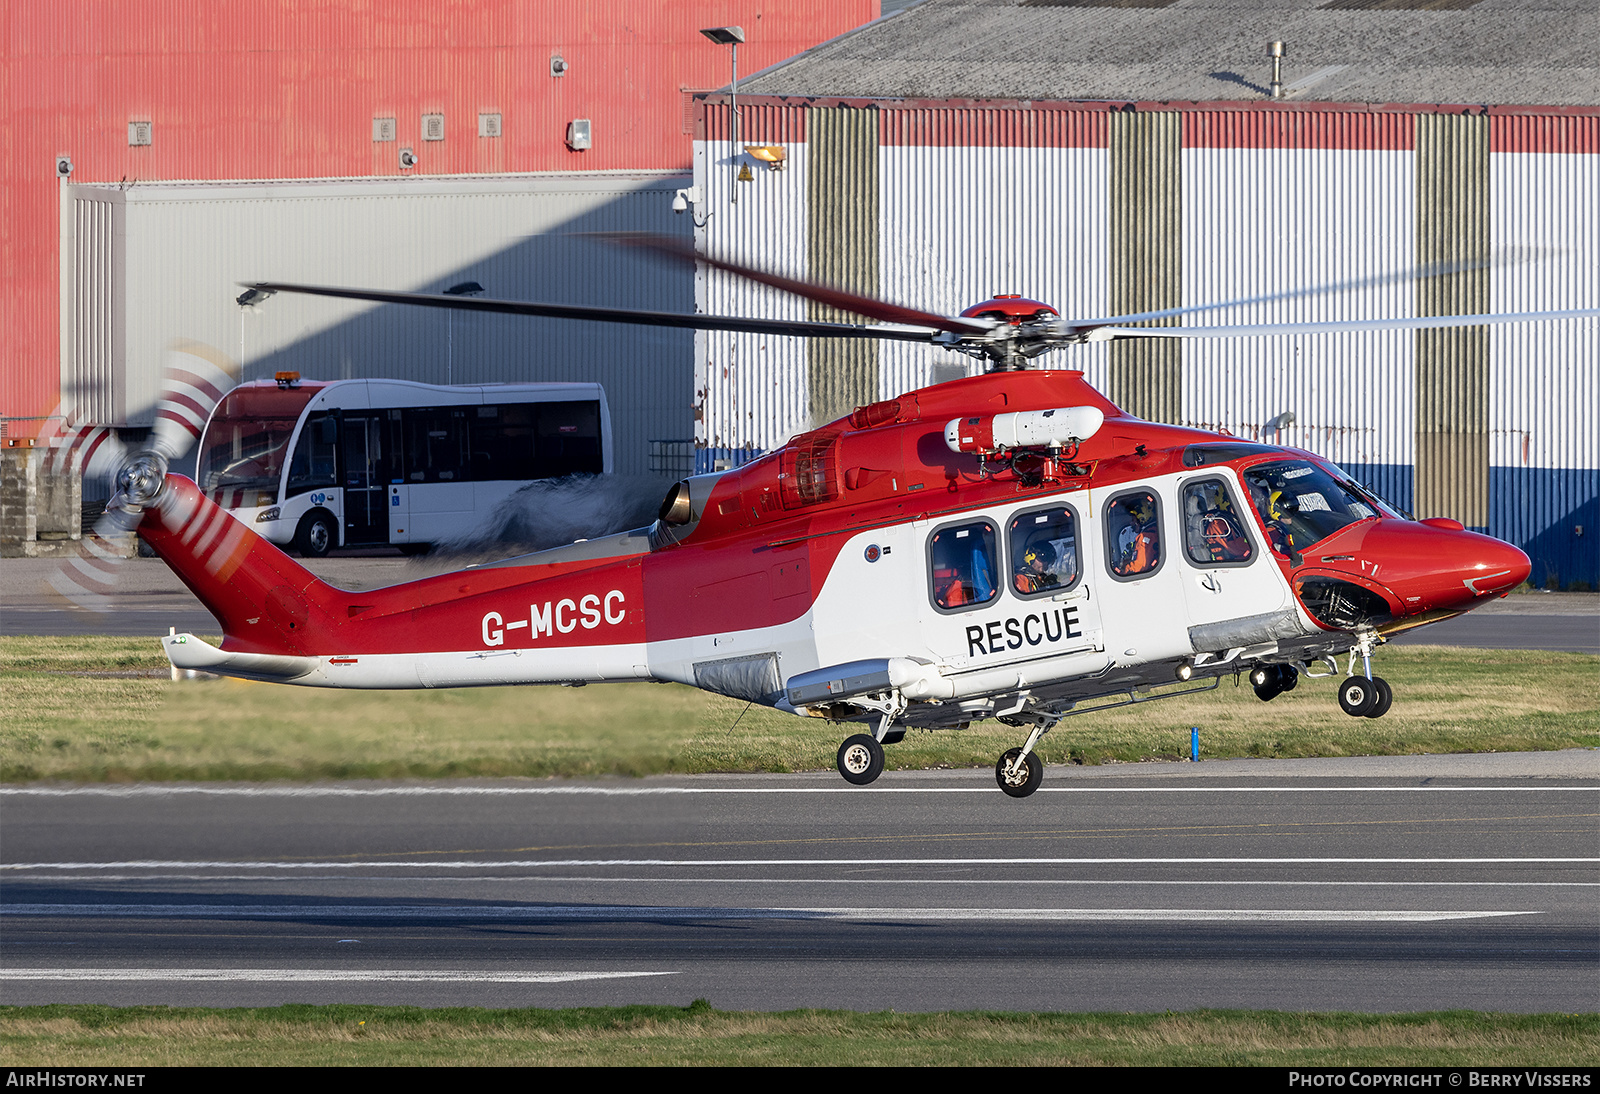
[(139, 482)]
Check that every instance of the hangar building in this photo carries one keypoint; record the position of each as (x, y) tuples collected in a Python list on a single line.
[(1108, 158), (158, 153)]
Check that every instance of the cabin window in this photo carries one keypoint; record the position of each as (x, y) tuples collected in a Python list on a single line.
[(1214, 526), (961, 566), (1044, 552), (1133, 535)]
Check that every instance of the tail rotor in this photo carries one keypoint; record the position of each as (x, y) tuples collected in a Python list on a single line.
[(195, 379)]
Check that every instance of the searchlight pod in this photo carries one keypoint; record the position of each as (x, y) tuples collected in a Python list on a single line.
[(987, 435)]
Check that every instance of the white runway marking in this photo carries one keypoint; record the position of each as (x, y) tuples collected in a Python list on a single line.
[(319, 975), (658, 913), (545, 864), (520, 879), (638, 791)]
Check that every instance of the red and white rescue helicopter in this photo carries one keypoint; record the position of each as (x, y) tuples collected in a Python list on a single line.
[(1009, 546)]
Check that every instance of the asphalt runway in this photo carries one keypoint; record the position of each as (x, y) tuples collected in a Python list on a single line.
[(1373, 884), (150, 599)]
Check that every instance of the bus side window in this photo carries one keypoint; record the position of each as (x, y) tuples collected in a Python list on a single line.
[(568, 439), (503, 443), (436, 438)]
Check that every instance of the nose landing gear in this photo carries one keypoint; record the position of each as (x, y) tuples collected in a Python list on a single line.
[(1365, 696)]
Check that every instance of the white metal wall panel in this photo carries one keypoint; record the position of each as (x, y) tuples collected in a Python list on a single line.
[(187, 246), (962, 223), (1261, 221), (751, 388), (1544, 378)]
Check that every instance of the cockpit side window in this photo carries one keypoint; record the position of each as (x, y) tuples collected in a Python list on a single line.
[(1213, 526), (961, 566), (1044, 552), (1301, 504)]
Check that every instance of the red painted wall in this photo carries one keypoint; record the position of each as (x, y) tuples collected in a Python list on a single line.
[(289, 89)]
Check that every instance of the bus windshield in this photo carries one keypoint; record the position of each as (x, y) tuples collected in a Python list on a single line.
[(248, 440)]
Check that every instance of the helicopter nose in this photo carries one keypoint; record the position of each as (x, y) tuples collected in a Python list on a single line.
[(1439, 565)]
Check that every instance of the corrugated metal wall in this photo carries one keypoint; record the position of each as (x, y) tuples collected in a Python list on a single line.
[(751, 391), (1099, 210), (184, 249), (94, 310), (842, 251), (1147, 240), (1452, 382), (1544, 381), (977, 201), (1275, 201)]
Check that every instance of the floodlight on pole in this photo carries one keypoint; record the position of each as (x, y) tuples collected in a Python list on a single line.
[(731, 36)]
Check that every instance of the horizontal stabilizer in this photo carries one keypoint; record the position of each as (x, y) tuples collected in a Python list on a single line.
[(185, 651)]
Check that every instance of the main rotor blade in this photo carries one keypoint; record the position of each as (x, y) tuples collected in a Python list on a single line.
[(1502, 258), (844, 300), (798, 328), (1424, 322)]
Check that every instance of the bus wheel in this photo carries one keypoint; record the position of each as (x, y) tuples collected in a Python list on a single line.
[(410, 549), (316, 535)]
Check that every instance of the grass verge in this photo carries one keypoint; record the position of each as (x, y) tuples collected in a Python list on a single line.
[(102, 709), (131, 1037)]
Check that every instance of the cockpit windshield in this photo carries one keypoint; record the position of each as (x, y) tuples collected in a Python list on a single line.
[(1302, 503), (247, 442)]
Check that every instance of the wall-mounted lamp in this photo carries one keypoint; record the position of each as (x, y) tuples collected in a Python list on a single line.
[(580, 137), (63, 166), (408, 159), (773, 155), (558, 65)]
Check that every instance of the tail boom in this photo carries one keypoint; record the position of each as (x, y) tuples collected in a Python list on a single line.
[(571, 622)]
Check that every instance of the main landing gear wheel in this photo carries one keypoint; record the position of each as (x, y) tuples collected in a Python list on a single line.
[(860, 759), (1385, 698), (1359, 696), (1024, 781), (316, 535)]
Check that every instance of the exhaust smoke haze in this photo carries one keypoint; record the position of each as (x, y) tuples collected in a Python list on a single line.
[(554, 512)]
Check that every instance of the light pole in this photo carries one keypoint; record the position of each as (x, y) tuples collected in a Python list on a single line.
[(731, 36), (465, 288)]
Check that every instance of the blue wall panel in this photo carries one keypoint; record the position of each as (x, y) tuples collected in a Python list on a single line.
[(1541, 511)]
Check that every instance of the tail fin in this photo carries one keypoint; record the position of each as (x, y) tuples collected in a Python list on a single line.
[(266, 602)]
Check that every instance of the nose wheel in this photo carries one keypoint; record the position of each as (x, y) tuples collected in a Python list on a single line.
[(860, 759), (1364, 697)]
